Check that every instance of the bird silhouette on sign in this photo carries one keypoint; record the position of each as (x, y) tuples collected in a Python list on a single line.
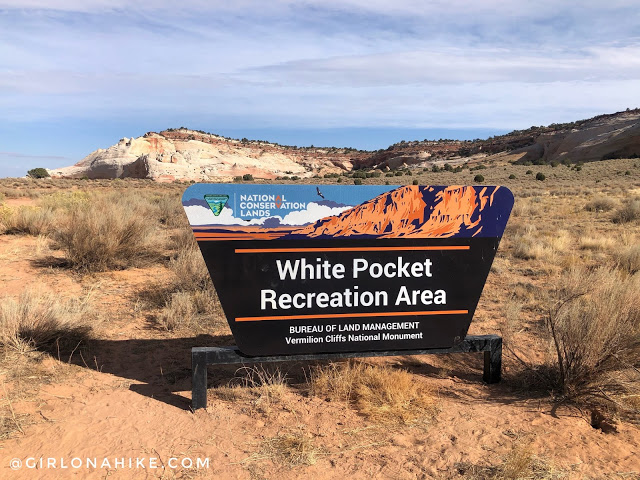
[(319, 192)]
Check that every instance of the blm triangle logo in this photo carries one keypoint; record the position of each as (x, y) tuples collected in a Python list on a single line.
[(216, 202)]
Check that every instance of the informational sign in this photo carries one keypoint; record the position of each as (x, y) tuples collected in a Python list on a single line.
[(332, 268)]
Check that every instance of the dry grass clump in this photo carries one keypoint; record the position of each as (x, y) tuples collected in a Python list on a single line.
[(262, 387), (529, 245), (195, 310), (383, 394), (519, 464), (191, 301), (290, 449), (629, 212), (594, 328), (596, 243), (27, 220), (170, 211), (110, 232), (600, 204), (190, 271), (629, 259), (182, 239), (37, 320), (65, 200)]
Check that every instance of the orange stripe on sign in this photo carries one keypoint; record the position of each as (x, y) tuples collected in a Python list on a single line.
[(348, 249), (349, 315)]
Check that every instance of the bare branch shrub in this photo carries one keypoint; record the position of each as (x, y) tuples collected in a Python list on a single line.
[(594, 327), (629, 212)]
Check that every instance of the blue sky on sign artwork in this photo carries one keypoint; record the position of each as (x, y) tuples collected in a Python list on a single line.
[(77, 75)]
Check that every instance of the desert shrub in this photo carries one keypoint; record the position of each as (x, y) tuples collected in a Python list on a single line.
[(198, 311), (540, 176), (65, 201), (359, 174), (629, 212), (28, 220), (383, 394), (38, 173), (529, 172), (170, 211), (629, 259), (190, 301), (247, 177), (179, 310), (415, 182), (512, 177), (190, 271), (398, 173), (593, 322), (182, 239), (389, 174), (357, 181), (110, 232), (478, 179), (37, 320), (600, 204)]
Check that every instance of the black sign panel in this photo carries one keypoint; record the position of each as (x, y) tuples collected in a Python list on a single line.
[(309, 269)]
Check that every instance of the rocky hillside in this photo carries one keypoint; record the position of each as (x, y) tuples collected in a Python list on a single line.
[(603, 137), (184, 154)]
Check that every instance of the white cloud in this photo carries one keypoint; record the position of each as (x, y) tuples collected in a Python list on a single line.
[(313, 213), (199, 215)]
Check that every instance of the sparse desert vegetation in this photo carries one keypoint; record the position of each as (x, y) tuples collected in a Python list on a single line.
[(98, 348)]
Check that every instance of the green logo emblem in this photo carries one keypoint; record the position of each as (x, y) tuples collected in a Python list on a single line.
[(216, 202)]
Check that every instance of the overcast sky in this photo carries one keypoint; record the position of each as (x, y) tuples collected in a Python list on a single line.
[(76, 75)]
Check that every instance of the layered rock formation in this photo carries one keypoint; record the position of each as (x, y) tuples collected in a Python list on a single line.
[(190, 155), (599, 138), (193, 155)]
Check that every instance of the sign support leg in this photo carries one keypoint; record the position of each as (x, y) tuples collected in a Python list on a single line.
[(490, 345), (198, 379), (492, 372)]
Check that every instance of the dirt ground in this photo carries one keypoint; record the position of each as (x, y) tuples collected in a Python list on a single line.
[(125, 394)]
